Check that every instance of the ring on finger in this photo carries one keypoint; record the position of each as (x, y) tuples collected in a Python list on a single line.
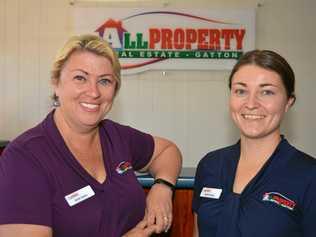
[(167, 223)]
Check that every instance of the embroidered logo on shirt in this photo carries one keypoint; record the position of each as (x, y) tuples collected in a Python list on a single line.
[(279, 199), (123, 167)]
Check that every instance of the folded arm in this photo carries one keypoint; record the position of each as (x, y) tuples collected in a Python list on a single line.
[(165, 164), (25, 230)]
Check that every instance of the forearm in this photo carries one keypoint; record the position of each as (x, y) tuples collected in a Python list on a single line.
[(167, 164), (25, 230), (195, 227)]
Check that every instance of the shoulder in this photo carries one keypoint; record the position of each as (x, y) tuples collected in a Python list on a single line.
[(30, 147), (305, 158), (302, 161), (297, 166), (219, 155), (31, 138), (110, 125), (25, 155), (306, 169), (124, 131), (213, 164)]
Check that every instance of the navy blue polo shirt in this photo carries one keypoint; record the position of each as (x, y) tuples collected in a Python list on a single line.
[(280, 201)]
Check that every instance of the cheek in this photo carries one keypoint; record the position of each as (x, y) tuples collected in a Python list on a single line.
[(278, 107), (69, 88), (109, 93), (63, 92), (233, 110), (60, 88), (234, 105)]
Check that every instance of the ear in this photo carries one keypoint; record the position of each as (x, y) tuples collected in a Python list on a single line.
[(54, 83), (289, 103)]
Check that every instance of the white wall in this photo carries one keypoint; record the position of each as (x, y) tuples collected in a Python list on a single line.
[(189, 107)]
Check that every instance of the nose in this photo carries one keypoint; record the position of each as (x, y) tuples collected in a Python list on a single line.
[(252, 101), (93, 90)]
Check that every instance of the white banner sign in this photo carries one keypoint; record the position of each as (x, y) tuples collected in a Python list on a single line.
[(166, 39)]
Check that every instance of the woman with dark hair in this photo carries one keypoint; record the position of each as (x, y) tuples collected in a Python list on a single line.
[(261, 186)]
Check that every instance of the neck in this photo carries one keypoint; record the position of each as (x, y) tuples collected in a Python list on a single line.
[(71, 134), (258, 150)]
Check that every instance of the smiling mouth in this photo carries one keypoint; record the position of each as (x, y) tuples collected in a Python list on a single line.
[(90, 106), (252, 116)]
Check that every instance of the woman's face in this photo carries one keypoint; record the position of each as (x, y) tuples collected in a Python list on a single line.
[(86, 89), (258, 101)]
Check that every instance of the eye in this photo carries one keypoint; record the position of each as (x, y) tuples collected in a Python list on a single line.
[(105, 81), (80, 78), (240, 92), (267, 92)]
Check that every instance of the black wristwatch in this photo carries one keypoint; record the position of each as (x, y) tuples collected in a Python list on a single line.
[(165, 182)]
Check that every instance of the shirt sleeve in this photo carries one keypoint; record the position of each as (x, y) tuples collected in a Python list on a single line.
[(25, 195), (309, 210), (141, 146)]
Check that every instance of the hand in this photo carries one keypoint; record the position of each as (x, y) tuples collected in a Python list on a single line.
[(159, 207), (141, 230)]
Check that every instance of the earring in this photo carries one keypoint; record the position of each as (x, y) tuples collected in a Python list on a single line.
[(56, 102)]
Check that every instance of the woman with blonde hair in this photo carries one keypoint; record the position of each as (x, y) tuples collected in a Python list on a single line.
[(73, 174)]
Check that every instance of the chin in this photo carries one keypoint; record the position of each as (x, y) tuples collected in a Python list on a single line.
[(253, 134), (90, 122), (258, 135), (89, 125)]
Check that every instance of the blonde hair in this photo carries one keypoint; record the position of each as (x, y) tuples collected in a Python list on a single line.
[(86, 42)]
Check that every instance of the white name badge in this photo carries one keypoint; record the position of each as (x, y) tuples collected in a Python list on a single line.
[(79, 195), (214, 193)]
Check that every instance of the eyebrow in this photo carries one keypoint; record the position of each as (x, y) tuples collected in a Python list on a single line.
[(268, 84), (83, 71), (240, 83), (261, 85), (80, 71)]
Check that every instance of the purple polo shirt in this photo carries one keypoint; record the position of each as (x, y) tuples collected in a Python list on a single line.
[(37, 171)]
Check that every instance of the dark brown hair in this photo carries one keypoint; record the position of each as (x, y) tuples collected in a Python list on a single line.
[(272, 61)]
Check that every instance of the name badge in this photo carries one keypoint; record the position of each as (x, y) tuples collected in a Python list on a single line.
[(79, 195), (214, 193)]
